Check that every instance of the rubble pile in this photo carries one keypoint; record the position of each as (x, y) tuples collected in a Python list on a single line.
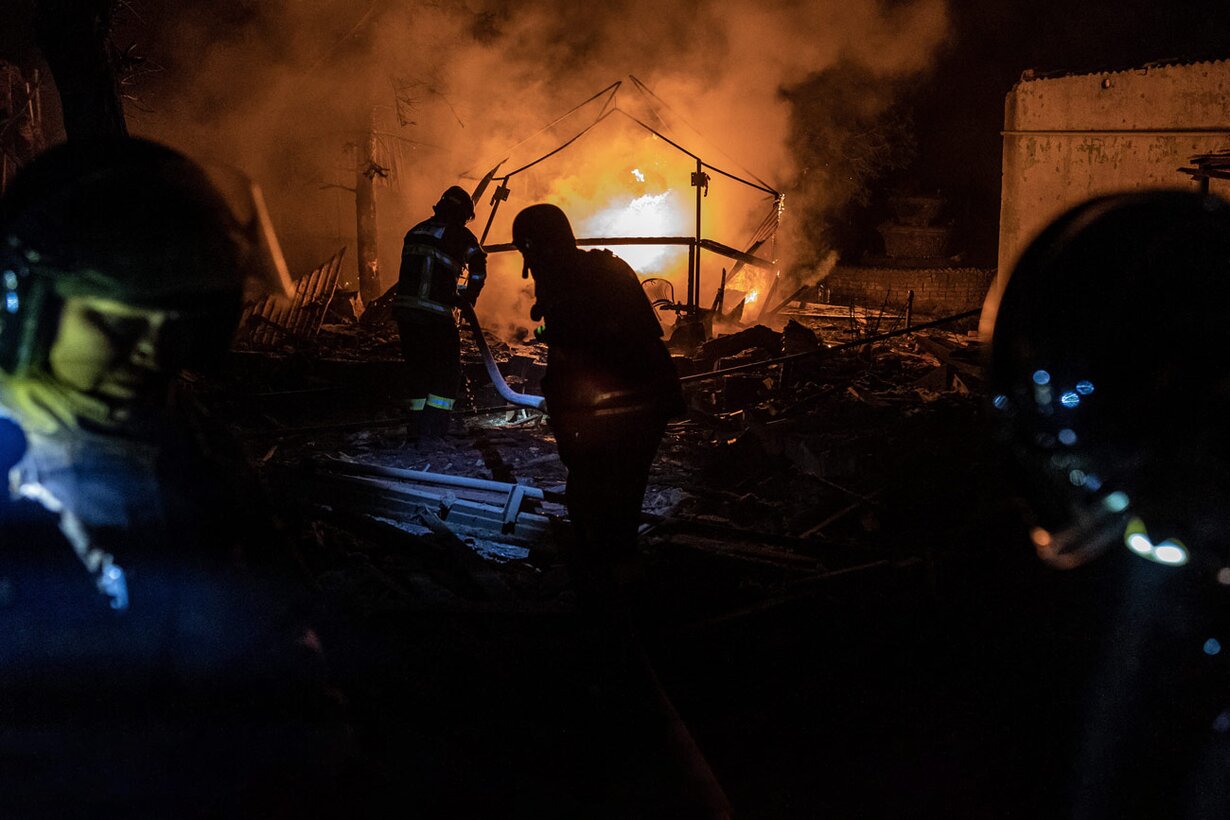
[(789, 470)]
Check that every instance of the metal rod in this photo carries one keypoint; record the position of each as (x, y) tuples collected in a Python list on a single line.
[(646, 90), (681, 149), (612, 89), (506, 247), (441, 479), (692, 298), (778, 309), (495, 206), (550, 154), (825, 350), (695, 271), (743, 257)]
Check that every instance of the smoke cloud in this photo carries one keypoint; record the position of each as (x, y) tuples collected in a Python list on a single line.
[(286, 90)]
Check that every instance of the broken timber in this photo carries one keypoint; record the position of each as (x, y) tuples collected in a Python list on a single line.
[(267, 321)]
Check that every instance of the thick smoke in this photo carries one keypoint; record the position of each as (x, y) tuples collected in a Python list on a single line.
[(286, 89)]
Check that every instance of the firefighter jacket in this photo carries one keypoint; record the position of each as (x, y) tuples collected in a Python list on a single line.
[(605, 350), (432, 259)]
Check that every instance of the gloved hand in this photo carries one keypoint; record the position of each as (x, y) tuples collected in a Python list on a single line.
[(42, 405)]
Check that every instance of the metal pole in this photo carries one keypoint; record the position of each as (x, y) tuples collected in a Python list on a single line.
[(501, 194), (443, 479), (691, 279), (697, 180)]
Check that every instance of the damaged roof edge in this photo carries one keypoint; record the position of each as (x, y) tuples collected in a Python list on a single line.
[(1031, 75)]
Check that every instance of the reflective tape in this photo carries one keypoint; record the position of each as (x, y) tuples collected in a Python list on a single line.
[(417, 404), (432, 254), (439, 402)]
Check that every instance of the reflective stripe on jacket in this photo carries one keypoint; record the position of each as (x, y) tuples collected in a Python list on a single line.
[(433, 257)]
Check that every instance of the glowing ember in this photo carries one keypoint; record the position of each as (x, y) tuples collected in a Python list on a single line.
[(751, 297), (649, 215)]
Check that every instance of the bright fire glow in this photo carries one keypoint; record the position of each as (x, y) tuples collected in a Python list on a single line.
[(636, 172), (751, 297), (649, 215)]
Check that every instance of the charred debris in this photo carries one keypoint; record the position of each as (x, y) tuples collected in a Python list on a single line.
[(801, 460)]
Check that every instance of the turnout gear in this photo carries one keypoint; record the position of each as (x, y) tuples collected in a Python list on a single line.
[(610, 386), (1110, 424), (1122, 438), (127, 220), (150, 613), (434, 256), (454, 205), (543, 227)]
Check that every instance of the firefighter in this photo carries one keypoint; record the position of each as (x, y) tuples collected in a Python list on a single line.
[(610, 387), (153, 660), (435, 253), (1114, 401)]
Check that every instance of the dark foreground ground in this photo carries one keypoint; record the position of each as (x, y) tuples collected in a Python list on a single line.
[(838, 600)]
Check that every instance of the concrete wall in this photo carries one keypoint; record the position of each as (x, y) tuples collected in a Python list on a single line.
[(937, 291), (1067, 139)]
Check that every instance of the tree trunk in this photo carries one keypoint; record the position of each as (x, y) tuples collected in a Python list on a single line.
[(365, 211)]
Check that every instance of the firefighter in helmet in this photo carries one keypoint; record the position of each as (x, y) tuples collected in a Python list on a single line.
[(148, 593), (435, 253), (1113, 398), (610, 386)]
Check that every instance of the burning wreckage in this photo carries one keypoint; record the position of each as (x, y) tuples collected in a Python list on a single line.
[(443, 569), (792, 402)]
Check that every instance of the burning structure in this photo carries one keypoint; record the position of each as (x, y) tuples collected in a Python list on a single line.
[(831, 593), (648, 203)]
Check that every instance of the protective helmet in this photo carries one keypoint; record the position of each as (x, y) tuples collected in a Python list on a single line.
[(456, 204), (541, 227), (1109, 378), (128, 220)]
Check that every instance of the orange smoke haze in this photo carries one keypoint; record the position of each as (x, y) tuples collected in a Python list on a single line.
[(286, 89)]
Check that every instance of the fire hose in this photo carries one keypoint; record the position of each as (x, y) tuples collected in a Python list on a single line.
[(493, 371)]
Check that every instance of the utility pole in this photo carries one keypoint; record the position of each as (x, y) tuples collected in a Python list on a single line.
[(365, 212)]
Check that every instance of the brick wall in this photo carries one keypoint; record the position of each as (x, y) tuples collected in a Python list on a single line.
[(937, 291)]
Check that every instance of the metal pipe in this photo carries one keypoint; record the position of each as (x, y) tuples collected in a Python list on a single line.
[(493, 371), (495, 206), (441, 479), (506, 247), (698, 179), (692, 297)]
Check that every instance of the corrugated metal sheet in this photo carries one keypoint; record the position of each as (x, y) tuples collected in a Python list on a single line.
[(271, 321)]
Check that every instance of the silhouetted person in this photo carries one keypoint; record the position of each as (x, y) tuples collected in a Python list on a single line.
[(610, 386), (1114, 398), (435, 253)]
